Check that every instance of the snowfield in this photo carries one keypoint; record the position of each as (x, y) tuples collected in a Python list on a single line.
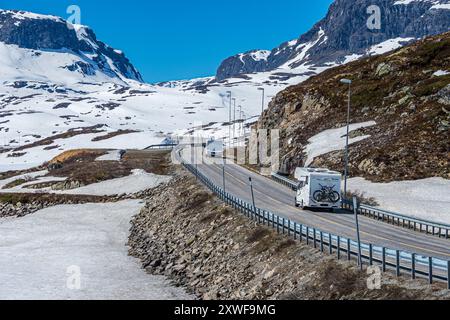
[(139, 180), (427, 199), (40, 253), (333, 140)]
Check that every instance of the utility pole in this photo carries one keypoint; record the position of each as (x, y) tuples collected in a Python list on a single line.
[(240, 120), (223, 173), (229, 121), (349, 82), (355, 209), (263, 97), (253, 194), (234, 121)]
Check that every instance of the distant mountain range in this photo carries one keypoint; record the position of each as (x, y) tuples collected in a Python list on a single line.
[(344, 33), (61, 88)]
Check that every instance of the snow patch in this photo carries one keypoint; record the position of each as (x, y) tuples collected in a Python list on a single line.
[(138, 181), (441, 73), (427, 199), (38, 249), (113, 155), (332, 140)]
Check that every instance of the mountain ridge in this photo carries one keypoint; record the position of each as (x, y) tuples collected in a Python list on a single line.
[(344, 31)]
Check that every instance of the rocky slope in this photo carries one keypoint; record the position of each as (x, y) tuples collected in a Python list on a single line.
[(216, 253), (344, 32), (407, 94)]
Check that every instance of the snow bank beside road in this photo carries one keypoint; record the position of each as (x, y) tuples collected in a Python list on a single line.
[(425, 199), (37, 250)]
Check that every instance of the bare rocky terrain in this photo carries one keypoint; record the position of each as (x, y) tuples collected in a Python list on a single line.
[(406, 92), (188, 235)]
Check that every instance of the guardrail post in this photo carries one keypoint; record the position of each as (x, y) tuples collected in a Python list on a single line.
[(307, 235), (383, 259), (315, 238), (338, 245), (295, 230), (430, 270), (301, 232), (349, 254), (278, 224), (330, 243), (321, 241), (370, 254), (448, 275), (413, 266), (284, 224), (397, 263)]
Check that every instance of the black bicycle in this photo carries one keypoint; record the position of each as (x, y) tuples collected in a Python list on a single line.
[(327, 194)]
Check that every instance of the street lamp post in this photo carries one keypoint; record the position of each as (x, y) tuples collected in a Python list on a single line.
[(240, 120), (229, 121), (349, 82), (234, 120), (263, 96)]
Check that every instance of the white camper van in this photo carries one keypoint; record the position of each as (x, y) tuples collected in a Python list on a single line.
[(318, 188), (214, 149)]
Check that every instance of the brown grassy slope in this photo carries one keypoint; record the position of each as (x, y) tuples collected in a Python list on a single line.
[(397, 90), (80, 165)]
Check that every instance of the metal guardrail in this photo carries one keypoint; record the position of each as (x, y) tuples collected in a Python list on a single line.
[(417, 265), (397, 219), (161, 146), (285, 181)]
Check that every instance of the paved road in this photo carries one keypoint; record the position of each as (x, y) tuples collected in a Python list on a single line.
[(272, 196)]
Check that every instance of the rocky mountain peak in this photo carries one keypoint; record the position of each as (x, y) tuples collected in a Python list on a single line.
[(49, 33), (352, 27)]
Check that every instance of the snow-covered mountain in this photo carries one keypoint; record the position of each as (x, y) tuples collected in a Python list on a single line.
[(347, 32), (61, 88), (47, 48)]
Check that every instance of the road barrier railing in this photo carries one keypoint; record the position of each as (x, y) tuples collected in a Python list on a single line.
[(419, 225), (400, 220), (401, 261), (161, 146), (285, 181)]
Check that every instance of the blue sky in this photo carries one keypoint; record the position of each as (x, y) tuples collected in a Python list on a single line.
[(182, 39)]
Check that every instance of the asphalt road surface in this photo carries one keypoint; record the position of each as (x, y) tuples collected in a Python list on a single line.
[(274, 197)]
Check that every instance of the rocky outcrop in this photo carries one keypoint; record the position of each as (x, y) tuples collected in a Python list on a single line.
[(252, 61), (22, 204), (344, 31), (188, 235), (39, 32), (405, 92)]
